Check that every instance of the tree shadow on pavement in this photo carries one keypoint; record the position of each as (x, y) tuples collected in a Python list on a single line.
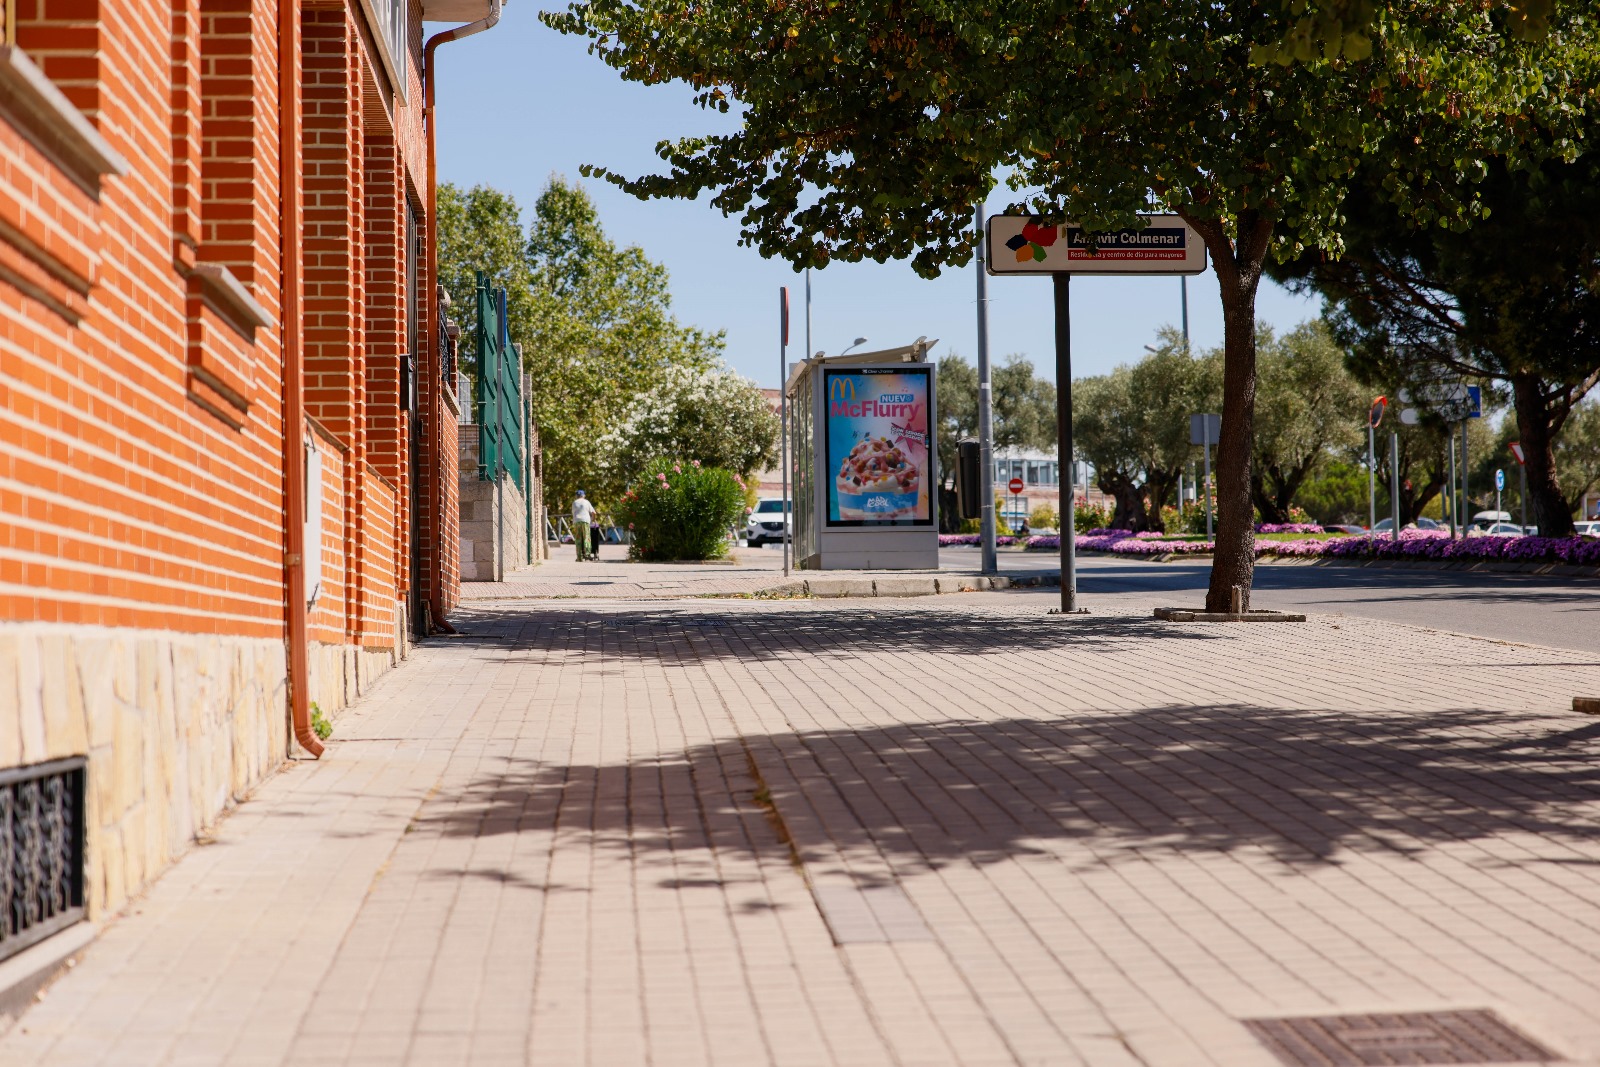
[(1305, 787), (874, 628)]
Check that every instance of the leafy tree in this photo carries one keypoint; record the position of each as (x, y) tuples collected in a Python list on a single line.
[(713, 416), (480, 229), (1024, 406), (1577, 459), (594, 320), (1307, 403), (1337, 493), (958, 421), (1515, 301), (1132, 425), (1024, 416), (1578, 455), (871, 127)]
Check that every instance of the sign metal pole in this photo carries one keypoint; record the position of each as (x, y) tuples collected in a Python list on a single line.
[(1394, 482), (1450, 497), (1069, 522), (1522, 494), (1374, 416), (1466, 502), (991, 563), (783, 413), (1206, 488)]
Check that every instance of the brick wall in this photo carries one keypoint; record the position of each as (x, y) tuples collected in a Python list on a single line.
[(142, 341)]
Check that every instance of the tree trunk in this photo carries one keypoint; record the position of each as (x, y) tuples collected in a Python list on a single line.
[(949, 510), (1264, 499), (1238, 266), (1130, 510), (1534, 426)]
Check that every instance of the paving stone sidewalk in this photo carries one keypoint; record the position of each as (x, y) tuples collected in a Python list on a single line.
[(898, 832)]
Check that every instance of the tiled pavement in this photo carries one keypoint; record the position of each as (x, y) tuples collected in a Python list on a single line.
[(943, 831)]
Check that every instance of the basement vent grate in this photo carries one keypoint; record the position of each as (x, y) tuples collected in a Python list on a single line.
[(1411, 1038), (41, 851)]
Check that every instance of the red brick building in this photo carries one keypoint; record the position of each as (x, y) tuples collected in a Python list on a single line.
[(227, 443)]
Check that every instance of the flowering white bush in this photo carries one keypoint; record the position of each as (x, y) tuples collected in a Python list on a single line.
[(715, 414)]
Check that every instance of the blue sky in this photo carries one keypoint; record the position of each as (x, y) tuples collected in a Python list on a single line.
[(520, 102)]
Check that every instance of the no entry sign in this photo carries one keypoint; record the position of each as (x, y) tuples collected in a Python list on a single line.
[(1016, 485), (1018, 244)]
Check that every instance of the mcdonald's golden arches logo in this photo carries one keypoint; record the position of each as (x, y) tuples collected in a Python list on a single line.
[(842, 389)]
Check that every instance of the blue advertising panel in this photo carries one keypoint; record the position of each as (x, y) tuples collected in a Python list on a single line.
[(879, 447)]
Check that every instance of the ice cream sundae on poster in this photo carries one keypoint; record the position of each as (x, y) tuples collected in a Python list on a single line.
[(878, 447)]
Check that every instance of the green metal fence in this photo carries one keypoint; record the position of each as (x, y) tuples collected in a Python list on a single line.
[(499, 399)]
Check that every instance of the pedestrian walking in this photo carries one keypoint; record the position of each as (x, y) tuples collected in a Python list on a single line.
[(594, 536), (582, 514)]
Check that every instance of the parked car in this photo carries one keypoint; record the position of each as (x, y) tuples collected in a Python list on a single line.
[(1345, 528), (1589, 529), (1498, 529), (769, 522), (1385, 525)]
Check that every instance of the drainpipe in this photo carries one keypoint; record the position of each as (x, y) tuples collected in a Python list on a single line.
[(294, 422), (436, 609)]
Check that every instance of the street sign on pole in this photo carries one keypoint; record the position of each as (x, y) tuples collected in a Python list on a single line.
[(1375, 414), (1516, 452), (1023, 244), (1015, 485), (1499, 480), (1204, 429)]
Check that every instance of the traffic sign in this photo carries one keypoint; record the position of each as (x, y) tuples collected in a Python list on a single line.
[(1375, 416), (1516, 450), (1024, 244), (1410, 416), (1016, 485), (1204, 429), (1499, 480), (1452, 400)]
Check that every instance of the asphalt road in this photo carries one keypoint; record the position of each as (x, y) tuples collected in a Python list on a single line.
[(1556, 612)]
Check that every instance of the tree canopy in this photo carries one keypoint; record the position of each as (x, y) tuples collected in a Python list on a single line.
[(711, 415), (594, 319), (1132, 425), (870, 128), (1514, 301), (1307, 404)]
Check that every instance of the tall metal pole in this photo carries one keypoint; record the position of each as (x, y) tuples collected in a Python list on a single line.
[(1069, 521), (1394, 482), (1184, 279), (991, 562), (783, 415), (1466, 492), (1372, 480), (1205, 437), (1450, 497)]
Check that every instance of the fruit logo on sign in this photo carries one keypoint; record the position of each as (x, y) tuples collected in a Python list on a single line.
[(1032, 241)]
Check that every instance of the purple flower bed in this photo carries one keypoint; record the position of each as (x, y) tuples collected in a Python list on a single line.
[(1413, 544), (972, 540), (1288, 527)]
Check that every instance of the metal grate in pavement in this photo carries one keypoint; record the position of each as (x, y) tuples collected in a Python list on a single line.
[(862, 915), (1405, 1038)]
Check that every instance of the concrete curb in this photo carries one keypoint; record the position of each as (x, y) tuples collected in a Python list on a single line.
[(906, 586), (1201, 615)]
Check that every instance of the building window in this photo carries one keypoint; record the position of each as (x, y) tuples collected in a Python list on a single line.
[(390, 22)]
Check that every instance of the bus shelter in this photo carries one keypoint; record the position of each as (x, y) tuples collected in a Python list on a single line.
[(864, 460)]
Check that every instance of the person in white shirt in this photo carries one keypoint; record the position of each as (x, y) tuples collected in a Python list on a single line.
[(582, 515)]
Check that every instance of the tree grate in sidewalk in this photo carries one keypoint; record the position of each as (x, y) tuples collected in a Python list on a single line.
[(1407, 1038)]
